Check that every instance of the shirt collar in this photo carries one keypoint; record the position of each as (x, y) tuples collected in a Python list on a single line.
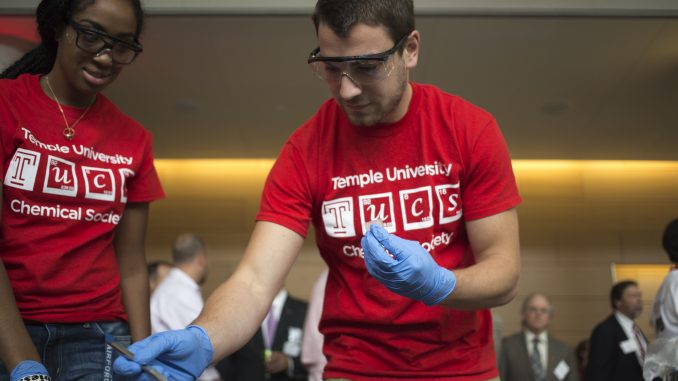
[(181, 276), (530, 336), (278, 303), (625, 321)]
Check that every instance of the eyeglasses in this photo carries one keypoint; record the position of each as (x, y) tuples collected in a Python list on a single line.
[(97, 42), (363, 69)]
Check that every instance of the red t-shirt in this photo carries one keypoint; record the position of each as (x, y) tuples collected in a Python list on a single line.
[(443, 163), (63, 199)]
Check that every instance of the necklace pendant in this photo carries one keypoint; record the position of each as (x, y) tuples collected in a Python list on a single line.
[(69, 133)]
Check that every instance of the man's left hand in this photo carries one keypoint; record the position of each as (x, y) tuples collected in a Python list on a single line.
[(409, 271)]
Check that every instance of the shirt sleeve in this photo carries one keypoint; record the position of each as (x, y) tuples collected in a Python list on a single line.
[(671, 303), (490, 183), (286, 199)]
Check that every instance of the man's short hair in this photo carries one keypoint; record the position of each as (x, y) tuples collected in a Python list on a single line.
[(531, 296), (670, 240), (186, 247), (618, 289), (340, 15)]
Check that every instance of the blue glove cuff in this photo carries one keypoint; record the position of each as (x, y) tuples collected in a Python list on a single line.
[(28, 368), (445, 285), (203, 338)]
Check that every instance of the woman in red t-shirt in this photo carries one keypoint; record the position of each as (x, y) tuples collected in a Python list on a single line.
[(77, 176)]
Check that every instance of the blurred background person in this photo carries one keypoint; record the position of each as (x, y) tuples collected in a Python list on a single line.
[(497, 332), (662, 356), (312, 355), (664, 317), (581, 353), (617, 347), (157, 272), (533, 355), (177, 301)]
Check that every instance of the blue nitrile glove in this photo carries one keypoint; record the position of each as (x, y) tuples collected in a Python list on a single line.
[(180, 355), (27, 368), (411, 273)]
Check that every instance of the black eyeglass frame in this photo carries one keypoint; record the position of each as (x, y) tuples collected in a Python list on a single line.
[(383, 56), (109, 41)]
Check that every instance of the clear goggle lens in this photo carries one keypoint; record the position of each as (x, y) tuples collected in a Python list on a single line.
[(361, 71)]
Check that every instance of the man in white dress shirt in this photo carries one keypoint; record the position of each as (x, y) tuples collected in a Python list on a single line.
[(157, 272), (177, 301)]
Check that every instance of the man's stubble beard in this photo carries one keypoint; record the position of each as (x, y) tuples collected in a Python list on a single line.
[(382, 112)]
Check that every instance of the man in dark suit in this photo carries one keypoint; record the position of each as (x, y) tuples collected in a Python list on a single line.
[(617, 347), (532, 354), (277, 359)]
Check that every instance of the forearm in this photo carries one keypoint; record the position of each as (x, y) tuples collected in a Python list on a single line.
[(235, 310), (130, 246), (488, 284), (15, 343), (135, 294), (233, 313), (493, 280)]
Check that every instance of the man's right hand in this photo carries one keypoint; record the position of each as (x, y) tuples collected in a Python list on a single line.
[(180, 355), (28, 368)]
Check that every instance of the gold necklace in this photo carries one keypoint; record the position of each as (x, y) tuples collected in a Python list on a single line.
[(69, 131)]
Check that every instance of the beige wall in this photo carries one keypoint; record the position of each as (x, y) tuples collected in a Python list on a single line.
[(218, 200), (577, 219)]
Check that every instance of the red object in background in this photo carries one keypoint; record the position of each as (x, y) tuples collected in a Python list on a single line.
[(19, 27)]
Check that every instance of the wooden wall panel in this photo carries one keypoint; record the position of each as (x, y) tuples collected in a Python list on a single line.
[(577, 218)]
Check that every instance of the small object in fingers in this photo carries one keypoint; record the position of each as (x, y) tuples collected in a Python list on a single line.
[(130, 356), (378, 222)]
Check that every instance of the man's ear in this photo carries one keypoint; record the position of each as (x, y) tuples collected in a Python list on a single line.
[(411, 50)]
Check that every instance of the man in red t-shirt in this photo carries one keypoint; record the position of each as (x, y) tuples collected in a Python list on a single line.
[(430, 168)]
